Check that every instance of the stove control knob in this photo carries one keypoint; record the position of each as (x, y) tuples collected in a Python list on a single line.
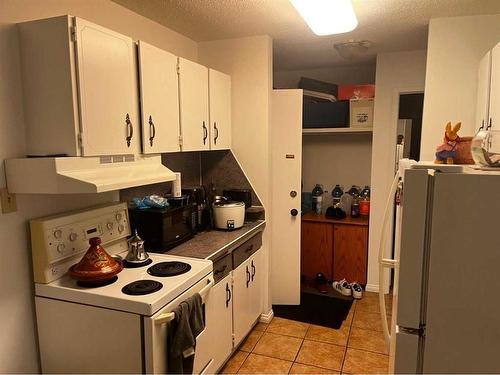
[(58, 233), (73, 236), (121, 228), (109, 225), (118, 216), (60, 248)]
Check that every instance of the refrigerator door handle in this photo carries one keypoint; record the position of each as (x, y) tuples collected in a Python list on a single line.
[(384, 262)]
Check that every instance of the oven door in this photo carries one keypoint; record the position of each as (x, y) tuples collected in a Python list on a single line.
[(155, 334)]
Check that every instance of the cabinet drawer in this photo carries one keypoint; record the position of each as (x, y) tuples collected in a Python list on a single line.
[(245, 250), (223, 267)]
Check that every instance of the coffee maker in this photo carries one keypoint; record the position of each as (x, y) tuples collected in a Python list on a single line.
[(201, 212)]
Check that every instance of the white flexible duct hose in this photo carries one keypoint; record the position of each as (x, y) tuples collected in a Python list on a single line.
[(383, 263)]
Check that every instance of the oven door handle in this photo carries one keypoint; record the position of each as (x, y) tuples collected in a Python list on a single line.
[(169, 316)]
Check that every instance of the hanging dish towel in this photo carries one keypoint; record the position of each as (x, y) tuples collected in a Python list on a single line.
[(182, 332)]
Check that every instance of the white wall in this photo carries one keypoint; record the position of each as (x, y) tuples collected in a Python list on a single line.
[(455, 46), (343, 159), (18, 351), (396, 72), (249, 62), (354, 75)]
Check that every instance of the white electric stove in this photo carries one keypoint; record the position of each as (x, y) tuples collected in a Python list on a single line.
[(80, 327)]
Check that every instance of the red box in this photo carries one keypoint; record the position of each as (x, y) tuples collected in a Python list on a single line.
[(347, 92)]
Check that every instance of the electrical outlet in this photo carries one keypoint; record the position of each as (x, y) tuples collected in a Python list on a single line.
[(8, 201)]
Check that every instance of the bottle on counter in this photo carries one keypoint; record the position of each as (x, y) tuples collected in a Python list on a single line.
[(354, 191), (355, 210), (337, 194), (317, 199), (364, 203)]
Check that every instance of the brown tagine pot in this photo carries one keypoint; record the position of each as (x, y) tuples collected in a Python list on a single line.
[(96, 266)]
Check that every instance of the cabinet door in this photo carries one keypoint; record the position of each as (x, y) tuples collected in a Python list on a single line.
[(220, 110), (107, 88), (193, 97), (159, 99), (242, 314), (483, 91), (350, 252), (495, 88), (316, 249), (256, 277), (219, 316)]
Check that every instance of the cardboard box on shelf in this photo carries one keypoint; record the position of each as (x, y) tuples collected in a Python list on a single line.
[(361, 111)]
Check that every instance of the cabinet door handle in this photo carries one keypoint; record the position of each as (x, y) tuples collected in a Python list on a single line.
[(130, 130), (152, 130), (228, 294), (249, 248), (205, 133), (216, 133), (216, 272), (248, 277), (253, 270), (489, 125)]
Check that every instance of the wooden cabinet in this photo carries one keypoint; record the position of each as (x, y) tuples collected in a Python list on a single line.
[(80, 88), (219, 315), (337, 248), (247, 296), (193, 97), (159, 99), (220, 110), (350, 252), (316, 249)]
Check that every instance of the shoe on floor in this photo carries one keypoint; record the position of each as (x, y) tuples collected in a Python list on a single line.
[(343, 287), (357, 291)]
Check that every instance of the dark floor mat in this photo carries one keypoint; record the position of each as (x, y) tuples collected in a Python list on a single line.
[(323, 309)]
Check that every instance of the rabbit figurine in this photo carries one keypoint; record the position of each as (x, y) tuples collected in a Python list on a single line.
[(447, 151)]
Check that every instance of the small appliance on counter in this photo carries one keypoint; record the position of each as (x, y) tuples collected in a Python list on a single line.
[(228, 215), (239, 195), (201, 212), (163, 228)]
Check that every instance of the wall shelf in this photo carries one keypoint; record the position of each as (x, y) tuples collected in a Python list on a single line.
[(320, 131)]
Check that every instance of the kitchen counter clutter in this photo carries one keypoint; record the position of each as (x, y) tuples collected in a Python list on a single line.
[(337, 248), (215, 244)]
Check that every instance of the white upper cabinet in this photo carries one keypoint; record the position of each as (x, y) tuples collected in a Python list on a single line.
[(193, 97), (220, 110), (494, 112), (80, 88), (483, 91), (159, 99), (107, 76)]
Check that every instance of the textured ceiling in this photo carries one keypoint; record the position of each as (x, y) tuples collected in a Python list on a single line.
[(392, 25)]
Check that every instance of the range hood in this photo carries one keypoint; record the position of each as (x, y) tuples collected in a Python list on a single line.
[(72, 175)]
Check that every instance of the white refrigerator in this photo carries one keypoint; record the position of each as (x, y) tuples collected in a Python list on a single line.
[(446, 313)]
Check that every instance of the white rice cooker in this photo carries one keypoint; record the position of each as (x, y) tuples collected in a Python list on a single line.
[(228, 215)]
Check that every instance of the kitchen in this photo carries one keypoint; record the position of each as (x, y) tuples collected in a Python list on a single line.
[(248, 60)]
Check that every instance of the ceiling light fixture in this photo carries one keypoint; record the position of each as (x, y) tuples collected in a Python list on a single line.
[(326, 17), (353, 49)]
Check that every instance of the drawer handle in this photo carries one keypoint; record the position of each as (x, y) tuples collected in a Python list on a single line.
[(216, 272), (253, 271), (130, 130), (205, 133), (228, 294), (216, 133), (152, 130), (248, 277), (249, 248)]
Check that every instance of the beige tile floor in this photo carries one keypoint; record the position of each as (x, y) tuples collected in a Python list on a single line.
[(289, 347)]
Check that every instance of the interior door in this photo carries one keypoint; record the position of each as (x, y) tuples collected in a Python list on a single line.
[(286, 137), (159, 99), (483, 91), (219, 314), (108, 95), (494, 110), (242, 315), (193, 97), (220, 110)]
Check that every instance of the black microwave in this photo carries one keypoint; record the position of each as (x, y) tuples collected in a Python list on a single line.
[(163, 228)]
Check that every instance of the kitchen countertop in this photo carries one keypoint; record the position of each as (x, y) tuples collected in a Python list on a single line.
[(214, 244), (323, 219)]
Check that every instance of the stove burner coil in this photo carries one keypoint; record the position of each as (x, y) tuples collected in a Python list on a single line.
[(165, 269), (96, 284), (128, 264), (141, 287)]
